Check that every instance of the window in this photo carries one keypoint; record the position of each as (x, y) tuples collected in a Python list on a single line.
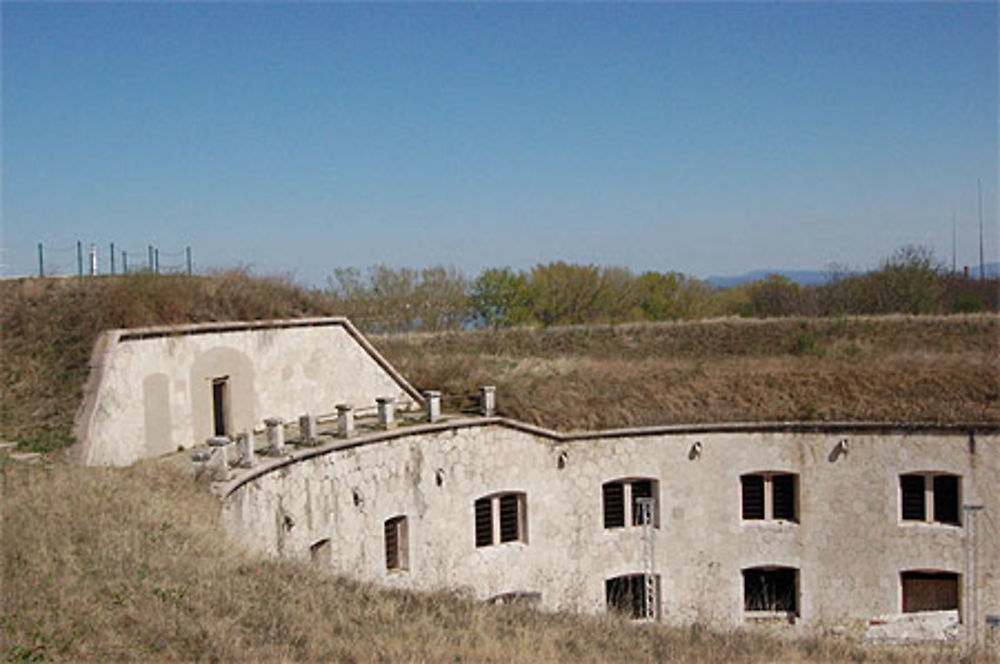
[(771, 589), (623, 502), (635, 595), (501, 518), (396, 544), (769, 497), (220, 405), (930, 497), (929, 591)]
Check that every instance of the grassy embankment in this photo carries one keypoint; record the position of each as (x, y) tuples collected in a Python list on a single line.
[(131, 564), (889, 368)]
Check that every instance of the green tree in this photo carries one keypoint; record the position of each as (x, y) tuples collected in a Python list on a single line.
[(500, 297)]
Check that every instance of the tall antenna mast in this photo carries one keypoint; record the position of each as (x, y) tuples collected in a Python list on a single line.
[(982, 263), (954, 263)]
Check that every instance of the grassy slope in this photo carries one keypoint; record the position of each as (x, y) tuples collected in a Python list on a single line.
[(131, 564), (892, 368), (887, 368)]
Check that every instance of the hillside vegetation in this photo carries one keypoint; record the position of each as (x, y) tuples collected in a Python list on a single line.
[(131, 564), (888, 368)]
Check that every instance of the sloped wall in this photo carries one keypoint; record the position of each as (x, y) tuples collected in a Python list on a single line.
[(150, 390)]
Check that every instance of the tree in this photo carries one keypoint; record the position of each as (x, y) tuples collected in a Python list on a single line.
[(500, 297)]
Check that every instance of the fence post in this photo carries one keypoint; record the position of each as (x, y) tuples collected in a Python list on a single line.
[(79, 258), (150, 257), (41, 261), (124, 262), (189, 260), (156, 261), (112, 259)]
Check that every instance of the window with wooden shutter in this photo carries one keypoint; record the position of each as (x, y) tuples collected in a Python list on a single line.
[(753, 496), (484, 522)]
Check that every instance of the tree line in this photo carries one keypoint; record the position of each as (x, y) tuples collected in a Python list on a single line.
[(385, 299)]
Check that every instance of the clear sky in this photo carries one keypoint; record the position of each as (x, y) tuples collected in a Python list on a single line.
[(293, 138)]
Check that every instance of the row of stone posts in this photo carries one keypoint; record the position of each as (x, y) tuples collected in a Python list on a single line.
[(218, 461)]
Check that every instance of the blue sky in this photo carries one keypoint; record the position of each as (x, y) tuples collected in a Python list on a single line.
[(294, 138)]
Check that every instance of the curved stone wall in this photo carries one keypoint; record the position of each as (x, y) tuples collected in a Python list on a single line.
[(840, 538)]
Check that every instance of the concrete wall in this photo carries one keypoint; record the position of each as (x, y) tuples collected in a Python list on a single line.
[(849, 545), (150, 390)]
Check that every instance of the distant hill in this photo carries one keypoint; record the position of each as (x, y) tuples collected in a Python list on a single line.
[(812, 277)]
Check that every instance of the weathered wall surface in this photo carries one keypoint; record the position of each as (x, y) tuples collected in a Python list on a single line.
[(150, 390), (849, 546)]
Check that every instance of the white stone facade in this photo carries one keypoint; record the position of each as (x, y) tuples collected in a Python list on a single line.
[(156, 390), (847, 545)]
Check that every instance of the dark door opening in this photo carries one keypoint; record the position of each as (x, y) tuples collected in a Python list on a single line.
[(220, 405)]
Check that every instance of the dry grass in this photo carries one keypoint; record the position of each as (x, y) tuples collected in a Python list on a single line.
[(101, 564), (892, 368)]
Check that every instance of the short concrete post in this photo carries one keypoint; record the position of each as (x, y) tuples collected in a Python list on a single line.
[(245, 442), (433, 405), (307, 429), (220, 458), (386, 412), (275, 435), (345, 420), (488, 400)]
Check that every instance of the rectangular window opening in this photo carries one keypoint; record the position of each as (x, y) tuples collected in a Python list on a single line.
[(931, 498), (770, 589), (396, 544), (929, 591), (634, 595)]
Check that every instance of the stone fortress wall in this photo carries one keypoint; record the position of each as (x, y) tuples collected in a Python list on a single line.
[(811, 524), (849, 549)]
